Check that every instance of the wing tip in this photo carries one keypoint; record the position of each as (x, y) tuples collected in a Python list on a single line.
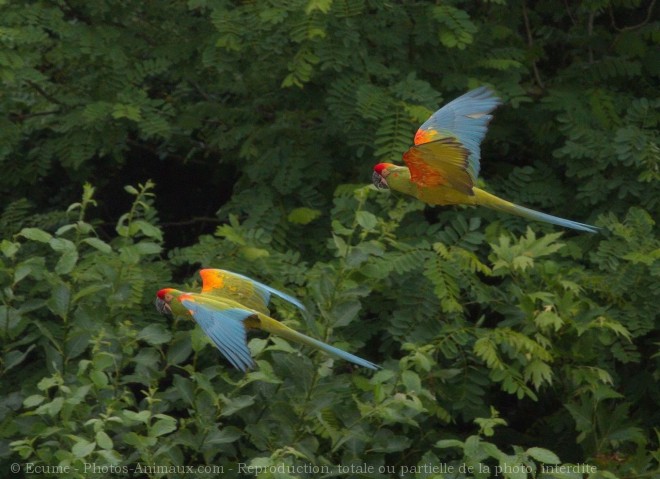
[(484, 92)]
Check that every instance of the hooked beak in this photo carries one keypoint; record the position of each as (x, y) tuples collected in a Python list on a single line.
[(379, 182), (162, 307)]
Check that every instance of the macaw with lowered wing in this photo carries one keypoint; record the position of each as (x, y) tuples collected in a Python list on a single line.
[(228, 306), (443, 164)]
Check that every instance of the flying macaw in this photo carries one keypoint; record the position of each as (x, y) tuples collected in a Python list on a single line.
[(228, 306), (443, 164)]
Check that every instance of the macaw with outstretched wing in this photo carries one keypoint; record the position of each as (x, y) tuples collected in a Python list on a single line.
[(228, 306), (443, 164)]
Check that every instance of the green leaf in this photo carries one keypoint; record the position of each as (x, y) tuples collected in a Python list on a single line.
[(34, 400), (547, 320), (52, 408), (139, 441), (252, 254), (16, 357), (59, 299), (321, 5), (235, 404), (303, 216), (345, 312), (130, 112), (411, 381), (185, 387), (447, 443), (179, 349), (155, 334), (99, 378), (146, 228), (35, 234), (226, 435), (83, 448), (67, 262), (543, 455), (99, 244), (147, 248), (9, 248), (103, 440), (162, 426), (367, 220), (141, 416)]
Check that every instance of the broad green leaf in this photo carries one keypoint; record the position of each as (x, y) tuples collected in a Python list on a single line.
[(103, 440), (543, 455), (34, 400), (59, 299), (35, 234), (155, 334), (303, 215), (367, 220), (83, 448), (99, 244), (162, 427)]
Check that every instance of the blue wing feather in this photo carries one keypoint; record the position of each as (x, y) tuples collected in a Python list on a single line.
[(226, 330), (465, 118)]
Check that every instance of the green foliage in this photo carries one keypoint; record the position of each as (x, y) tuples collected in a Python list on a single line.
[(504, 344)]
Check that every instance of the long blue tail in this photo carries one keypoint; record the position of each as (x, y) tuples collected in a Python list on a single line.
[(491, 201), (275, 327)]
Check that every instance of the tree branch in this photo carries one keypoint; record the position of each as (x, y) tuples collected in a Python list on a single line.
[(649, 14), (43, 92), (530, 44), (25, 116)]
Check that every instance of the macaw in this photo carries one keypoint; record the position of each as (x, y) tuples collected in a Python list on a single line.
[(443, 164), (228, 306)]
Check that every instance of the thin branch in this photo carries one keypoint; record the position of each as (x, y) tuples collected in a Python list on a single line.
[(649, 15), (590, 31), (75, 13), (192, 221), (43, 92), (25, 116), (570, 15), (199, 90), (530, 44), (153, 150)]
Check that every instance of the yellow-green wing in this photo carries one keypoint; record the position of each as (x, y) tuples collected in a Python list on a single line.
[(246, 291), (441, 162)]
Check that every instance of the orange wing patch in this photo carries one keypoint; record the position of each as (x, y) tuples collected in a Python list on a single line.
[(211, 280), (424, 136), (442, 162), (233, 286), (421, 172)]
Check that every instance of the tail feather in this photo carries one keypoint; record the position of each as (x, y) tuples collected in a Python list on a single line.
[(275, 327), (491, 201)]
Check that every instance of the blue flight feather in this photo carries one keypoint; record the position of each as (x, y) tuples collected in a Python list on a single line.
[(226, 330)]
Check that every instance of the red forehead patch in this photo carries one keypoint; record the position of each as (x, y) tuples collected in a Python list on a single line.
[(381, 166)]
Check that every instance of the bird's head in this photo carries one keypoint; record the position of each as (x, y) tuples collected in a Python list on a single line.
[(163, 299), (381, 172)]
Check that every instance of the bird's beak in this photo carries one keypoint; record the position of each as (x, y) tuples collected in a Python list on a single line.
[(162, 307), (379, 182)]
